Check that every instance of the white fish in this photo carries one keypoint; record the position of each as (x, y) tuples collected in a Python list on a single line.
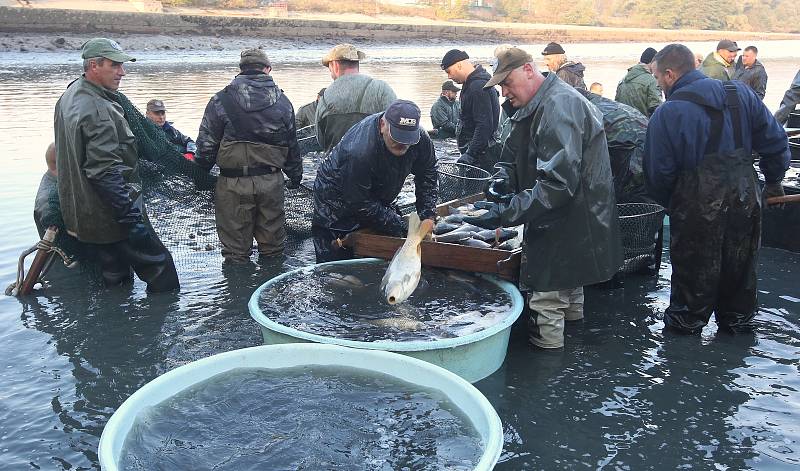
[(403, 274)]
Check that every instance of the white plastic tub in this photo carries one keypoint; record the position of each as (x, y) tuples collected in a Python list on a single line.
[(468, 399), (473, 357)]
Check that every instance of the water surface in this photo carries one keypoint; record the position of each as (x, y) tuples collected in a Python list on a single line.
[(621, 395)]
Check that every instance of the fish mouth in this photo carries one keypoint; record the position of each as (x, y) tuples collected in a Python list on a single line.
[(392, 300)]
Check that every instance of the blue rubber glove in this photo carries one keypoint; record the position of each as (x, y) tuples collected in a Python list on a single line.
[(293, 184), (489, 220)]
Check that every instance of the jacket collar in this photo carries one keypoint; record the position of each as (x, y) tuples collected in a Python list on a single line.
[(722, 61), (532, 105), (102, 91), (685, 80)]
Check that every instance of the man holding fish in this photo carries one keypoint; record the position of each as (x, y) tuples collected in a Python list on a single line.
[(359, 180), (559, 185)]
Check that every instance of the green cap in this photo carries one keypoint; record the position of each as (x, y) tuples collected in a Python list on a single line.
[(103, 47)]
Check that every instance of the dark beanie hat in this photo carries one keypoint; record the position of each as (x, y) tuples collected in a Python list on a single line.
[(553, 48), (648, 55), (453, 56)]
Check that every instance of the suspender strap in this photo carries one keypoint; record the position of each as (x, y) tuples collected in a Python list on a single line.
[(732, 102)]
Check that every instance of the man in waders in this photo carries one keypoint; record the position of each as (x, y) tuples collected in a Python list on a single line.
[(698, 164), (558, 183), (350, 98), (98, 174), (248, 131)]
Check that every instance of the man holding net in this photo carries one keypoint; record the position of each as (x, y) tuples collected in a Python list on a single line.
[(99, 186), (248, 131)]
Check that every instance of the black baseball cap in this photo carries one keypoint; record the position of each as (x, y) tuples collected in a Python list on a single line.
[(453, 56), (403, 118), (553, 48), (728, 45)]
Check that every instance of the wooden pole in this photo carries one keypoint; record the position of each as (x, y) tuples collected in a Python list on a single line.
[(784, 199), (38, 264)]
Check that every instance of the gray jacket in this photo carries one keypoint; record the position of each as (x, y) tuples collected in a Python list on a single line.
[(790, 100), (564, 191), (348, 100), (444, 117)]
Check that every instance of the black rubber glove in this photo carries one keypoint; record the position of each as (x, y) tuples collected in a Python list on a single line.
[(489, 220), (771, 190), (467, 159), (112, 188), (499, 191), (293, 184)]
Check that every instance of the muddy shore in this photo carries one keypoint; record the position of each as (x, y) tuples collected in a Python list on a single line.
[(40, 29)]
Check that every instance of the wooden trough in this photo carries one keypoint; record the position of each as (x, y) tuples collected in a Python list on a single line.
[(503, 263)]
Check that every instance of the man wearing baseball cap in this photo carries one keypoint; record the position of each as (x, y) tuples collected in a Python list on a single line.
[(157, 113), (248, 131), (98, 174), (720, 64), (359, 180), (350, 98), (446, 110), (557, 182), (480, 110)]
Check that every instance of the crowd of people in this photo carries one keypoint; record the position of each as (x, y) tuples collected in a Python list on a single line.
[(681, 132)]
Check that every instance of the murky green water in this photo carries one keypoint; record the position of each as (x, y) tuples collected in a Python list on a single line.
[(346, 302), (621, 394), (303, 418)]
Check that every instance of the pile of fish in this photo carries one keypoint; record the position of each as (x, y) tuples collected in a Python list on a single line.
[(453, 230)]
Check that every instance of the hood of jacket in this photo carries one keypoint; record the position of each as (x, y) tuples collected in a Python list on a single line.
[(635, 73), (254, 92), (575, 67), (478, 74)]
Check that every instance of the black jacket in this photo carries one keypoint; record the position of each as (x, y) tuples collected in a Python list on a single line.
[(358, 181), (264, 116), (755, 77), (180, 140), (480, 113)]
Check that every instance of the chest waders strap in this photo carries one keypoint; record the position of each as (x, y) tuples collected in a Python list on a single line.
[(717, 119), (233, 111)]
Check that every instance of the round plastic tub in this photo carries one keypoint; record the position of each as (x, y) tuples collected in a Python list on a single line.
[(473, 357), (462, 394)]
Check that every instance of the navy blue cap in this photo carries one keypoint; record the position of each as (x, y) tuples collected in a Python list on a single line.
[(403, 118), (453, 56)]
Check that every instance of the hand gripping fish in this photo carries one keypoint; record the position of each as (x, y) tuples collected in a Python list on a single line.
[(403, 274)]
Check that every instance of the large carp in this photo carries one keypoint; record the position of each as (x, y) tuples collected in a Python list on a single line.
[(403, 274)]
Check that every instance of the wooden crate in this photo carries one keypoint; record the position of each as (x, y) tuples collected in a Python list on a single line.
[(503, 263)]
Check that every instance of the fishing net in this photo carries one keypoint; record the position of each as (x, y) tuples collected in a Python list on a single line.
[(459, 180), (179, 198), (640, 226)]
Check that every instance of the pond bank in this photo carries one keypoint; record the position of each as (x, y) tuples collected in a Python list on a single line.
[(179, 26)]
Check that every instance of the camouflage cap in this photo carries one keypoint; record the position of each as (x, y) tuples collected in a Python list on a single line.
[(107, 48), (346, 52), (508, 60), (254, 56), (156, 105)]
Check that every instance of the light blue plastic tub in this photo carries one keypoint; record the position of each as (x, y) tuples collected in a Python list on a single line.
[(473, 357), (471, 402)]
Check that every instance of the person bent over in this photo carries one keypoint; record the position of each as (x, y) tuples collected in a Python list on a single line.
[(359, 180)]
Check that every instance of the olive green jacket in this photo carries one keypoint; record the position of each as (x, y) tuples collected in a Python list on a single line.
[(92, 137), (639, 89), (348, 100), (715, 67), (559, 168)]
